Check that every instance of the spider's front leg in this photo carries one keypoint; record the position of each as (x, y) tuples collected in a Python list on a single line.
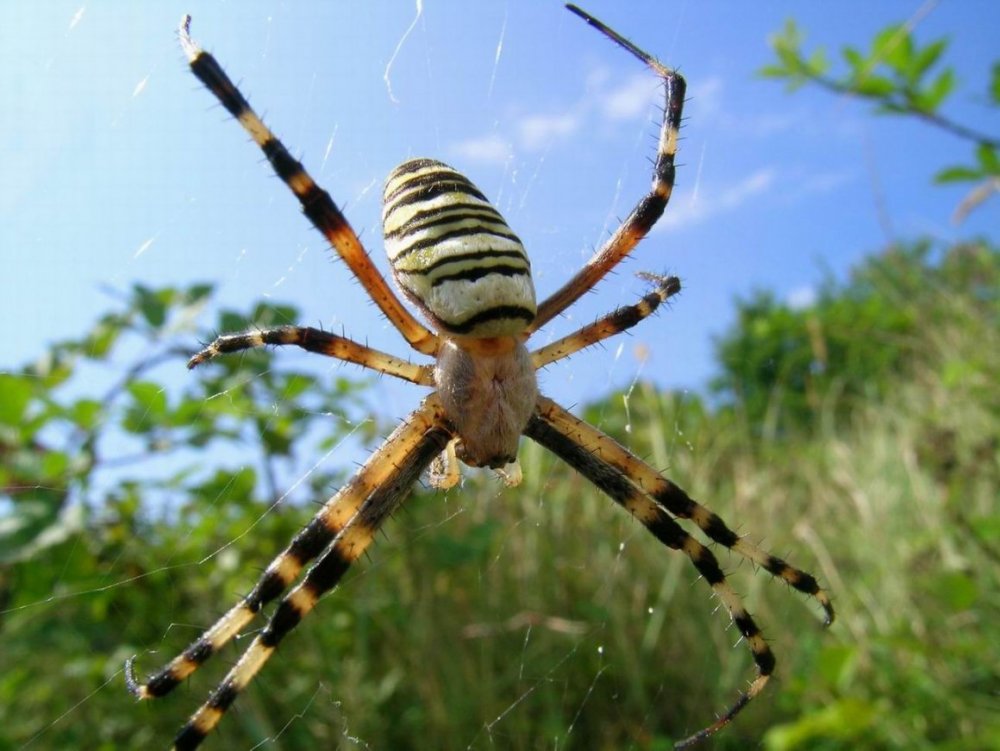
[(649, 208), (320, 342)]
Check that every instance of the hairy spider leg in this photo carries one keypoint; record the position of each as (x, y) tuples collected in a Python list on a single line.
[(376, 480), (613, 323), (316, 202), (651, 498), (675, 500), (323, 575), (649, 209), (320, 342)]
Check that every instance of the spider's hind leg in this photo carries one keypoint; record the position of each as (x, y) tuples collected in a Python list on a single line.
[(573, 442), (651, 498), (424, 435), (375, 479)]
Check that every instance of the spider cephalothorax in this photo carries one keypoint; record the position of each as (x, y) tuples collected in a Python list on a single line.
[(455, 258)]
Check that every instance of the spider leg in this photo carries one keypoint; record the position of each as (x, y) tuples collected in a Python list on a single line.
[(648, 210), (614, 323), (652, 498), (554, 433), (381, 482), (349, 544), (675, 500), (321, 342), (316, 202)]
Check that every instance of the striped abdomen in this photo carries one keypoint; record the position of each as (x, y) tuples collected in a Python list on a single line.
[(453, 254)]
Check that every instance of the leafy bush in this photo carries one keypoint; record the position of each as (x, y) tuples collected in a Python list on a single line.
[(539, 615), (789, 369)]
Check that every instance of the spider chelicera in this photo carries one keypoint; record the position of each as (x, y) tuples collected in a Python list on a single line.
[(454, 257)]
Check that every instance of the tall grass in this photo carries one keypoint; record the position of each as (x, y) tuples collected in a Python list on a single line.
[(543, 617)]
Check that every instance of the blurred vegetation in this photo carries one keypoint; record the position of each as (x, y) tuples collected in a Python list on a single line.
[(534, 617)]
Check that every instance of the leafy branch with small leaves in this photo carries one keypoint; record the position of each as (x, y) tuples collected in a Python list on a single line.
[(900, 77)]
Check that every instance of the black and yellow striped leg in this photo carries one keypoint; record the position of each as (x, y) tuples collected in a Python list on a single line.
[(614, 323), (675, 500), (316, 202), (376, 481), (649, 208), (576, 448), (321, 342), (322, 576)]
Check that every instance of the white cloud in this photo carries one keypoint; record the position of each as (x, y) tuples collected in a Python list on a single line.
[(704, 98), (490, 149), (605, 100), (728, 199), (538, 131), (631, 99), (801, 298), (750, 186), (825, 182)]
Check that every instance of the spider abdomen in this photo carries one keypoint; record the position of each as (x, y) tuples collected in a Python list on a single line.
[(453, 254)]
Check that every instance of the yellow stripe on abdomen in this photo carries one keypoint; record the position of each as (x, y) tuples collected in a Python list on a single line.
[(453, 254)]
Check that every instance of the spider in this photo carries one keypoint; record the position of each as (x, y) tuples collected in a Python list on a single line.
[(454, 257)]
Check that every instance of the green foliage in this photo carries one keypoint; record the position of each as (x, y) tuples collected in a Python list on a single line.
[(900, 77), (136, 510), (787, 370), (860, 437)]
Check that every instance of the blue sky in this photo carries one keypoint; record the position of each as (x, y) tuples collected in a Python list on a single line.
[(118, 168)]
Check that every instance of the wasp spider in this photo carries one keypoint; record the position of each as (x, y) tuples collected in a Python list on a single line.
[(454, 257)]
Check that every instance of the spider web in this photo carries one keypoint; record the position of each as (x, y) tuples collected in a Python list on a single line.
[(518, 145)]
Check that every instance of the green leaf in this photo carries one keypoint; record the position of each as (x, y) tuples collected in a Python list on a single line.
[(988, 160), (86, 413), (786, 44), (854, 59), (773, 71), (103, 336), (894, 47), (198, 292), (297, 384), (151, 396), (148, 409), (924, 59), (843, 720), (957, 175), (15, 395), (874, 86), (231, 322), (267, 314), (995, 84), (54, 465), (930, 99), (818, 63), (277, 437), (152, 304)]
